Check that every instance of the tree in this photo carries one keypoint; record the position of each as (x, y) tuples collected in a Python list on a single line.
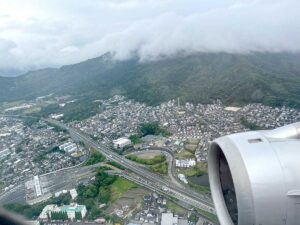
[(63, 199), (91, 191), (65, 216), (250, 125), (104, 194), (135, 139), (95, 157), (150, 129), (89, 203), (95, 212), (78, 216), (153, 129)]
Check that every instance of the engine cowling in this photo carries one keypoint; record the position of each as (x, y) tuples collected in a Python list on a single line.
[(255, 177)]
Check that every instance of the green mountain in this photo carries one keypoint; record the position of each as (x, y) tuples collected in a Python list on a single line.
[(234, 78)]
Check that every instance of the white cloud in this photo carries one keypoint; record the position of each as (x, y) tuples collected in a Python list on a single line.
[(35, 35)]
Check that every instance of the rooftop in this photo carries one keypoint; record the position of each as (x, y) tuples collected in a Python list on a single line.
[(76, 208)]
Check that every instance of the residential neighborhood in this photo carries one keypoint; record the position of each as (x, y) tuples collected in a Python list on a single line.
[(27, 151), (200, 122), (185, 131)]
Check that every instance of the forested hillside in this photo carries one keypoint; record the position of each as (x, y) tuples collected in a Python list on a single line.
[(235, 79)]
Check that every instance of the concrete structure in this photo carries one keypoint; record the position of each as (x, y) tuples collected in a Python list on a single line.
[(185, 163), (68, 147), (37, 186), (135, 223), (182, 221), (69, 209), (32, 222), (47, 210), (232, 108), (73, 193), (100, 220), (56, 116), (72, 209), (168, 219), (182, 178), (57, 194), (121, 142)]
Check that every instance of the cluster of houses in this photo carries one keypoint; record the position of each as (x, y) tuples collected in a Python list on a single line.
[(26, 151)]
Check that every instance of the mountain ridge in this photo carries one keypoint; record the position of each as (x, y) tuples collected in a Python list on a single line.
[(269, 78)]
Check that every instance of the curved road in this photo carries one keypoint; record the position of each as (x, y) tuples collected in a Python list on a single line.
[(191, 197), (159, 183), (170, 159)]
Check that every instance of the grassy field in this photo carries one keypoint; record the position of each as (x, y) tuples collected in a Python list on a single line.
[(191, 145), (184, 155), (198, 170), (192, 171), (176, 209), (161, 168), (155, 159), (211, 216), (202, 166), (148, 155), (199, 188), (119, 187), (35, 109)]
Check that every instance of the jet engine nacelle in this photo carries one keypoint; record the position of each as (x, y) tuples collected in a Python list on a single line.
[(255, 177)]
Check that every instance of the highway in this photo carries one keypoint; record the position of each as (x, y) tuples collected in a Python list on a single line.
[(164, 191), (65, 178), (182, 194), (170, 159)]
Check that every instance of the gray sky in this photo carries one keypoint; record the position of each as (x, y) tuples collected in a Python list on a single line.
[(41, 33)]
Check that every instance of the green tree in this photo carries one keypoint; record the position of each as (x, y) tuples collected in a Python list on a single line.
[(65, 216), (91, 191), (104, 194), (78, 216), (155, 160), (96, 157), (94, 213), (135, 139), (250, 125), (153, 129)]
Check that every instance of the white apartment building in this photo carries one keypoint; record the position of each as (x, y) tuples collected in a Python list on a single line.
[(121, 142), (185, 163)]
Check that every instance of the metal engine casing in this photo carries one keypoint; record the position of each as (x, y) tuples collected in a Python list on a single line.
[(255, 177)]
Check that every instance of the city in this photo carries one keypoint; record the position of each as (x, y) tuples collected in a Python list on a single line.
[(149, 112), (35, 157)]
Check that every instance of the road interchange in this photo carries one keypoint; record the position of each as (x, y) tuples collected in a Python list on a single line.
[(135, 173), (192, 198)]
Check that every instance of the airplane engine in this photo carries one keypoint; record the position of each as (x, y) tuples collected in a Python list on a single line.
[(255, 177)]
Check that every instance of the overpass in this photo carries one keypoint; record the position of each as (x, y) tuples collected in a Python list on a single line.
[(183, 194)]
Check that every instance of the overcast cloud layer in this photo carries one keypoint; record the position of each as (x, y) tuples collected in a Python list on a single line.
[(36, 34)]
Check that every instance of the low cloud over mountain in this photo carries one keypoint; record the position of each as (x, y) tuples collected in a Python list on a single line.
[(53, 33)]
